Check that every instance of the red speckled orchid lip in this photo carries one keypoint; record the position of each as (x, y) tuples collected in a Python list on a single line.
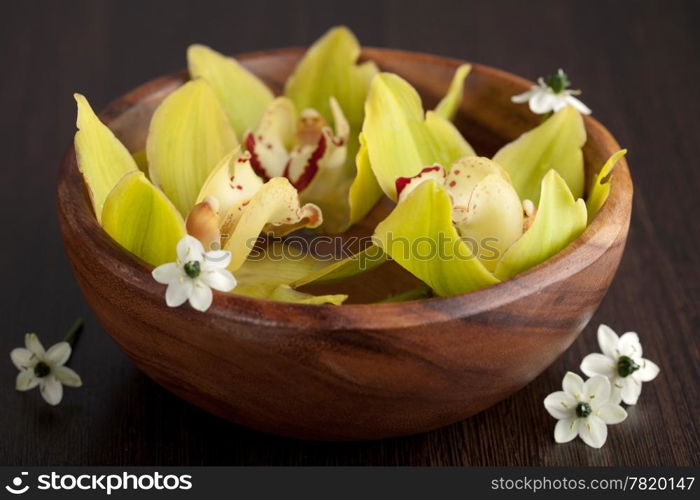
[(271, 156), (310, 168), (250, 144), (403, 182)]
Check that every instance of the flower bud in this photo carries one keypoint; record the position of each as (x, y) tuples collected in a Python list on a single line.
[(203, 223)]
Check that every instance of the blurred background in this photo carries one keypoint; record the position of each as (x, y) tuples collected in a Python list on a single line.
[(637, 63)]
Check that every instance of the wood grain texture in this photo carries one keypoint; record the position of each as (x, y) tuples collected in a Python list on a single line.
[(630, 62)]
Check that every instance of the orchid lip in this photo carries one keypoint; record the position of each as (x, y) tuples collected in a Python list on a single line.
[(310, 168), (402, 182), (250, 144)]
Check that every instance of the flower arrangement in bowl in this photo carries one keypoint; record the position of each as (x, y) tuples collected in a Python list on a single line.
[(356, 267)]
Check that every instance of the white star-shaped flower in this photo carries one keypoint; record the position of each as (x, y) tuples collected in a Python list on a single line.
[(622, 363), (551, 96), (194, 274), (38, 367), (584, 409)]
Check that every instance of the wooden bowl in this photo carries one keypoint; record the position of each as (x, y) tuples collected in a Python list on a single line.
[(364, 371)]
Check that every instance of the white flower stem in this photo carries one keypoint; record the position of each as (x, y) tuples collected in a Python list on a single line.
[(74, 333)]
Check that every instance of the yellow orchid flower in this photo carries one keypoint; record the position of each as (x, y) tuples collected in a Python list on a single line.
[(306, 151), (235, 206)]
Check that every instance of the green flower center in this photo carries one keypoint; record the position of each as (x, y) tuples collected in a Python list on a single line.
[(192, 268), (626, 366), (583, 410), (41, 369), (557, 82)]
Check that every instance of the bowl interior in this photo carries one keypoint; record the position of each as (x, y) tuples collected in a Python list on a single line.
[(487, 118)]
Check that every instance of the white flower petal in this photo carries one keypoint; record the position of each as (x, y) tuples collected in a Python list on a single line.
[(598, 364), (559, 102), (26, 380), (58, 354), (576, 103), (525, 96), (611, 413), (217, 259), (566, 430), (648, 370), (593, 431), (178, 292), (596, 391), (23, 358), (629, 346), (189, 248), (168, 273), (31, 342), (67, 376), (201, 297), (51, 390), (542, 102), (221, 280), (560, 405), (616, 390), (631, 389), (573, 384), (607, 341)]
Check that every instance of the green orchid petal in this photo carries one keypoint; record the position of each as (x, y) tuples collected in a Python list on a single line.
[(398, 143), (449, 104), (554, 144), (329, 69), (400, 139), (420, 292), (274, 207), (102, 159), (365, 191), (268, 276), (243, 95), (601, 185), (278, 264), (141, 219), (285, 293), (560, 218), (419, 235), (451, 142), (188, 135), (361, 262)]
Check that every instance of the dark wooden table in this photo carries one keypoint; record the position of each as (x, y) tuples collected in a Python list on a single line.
[(638, 63)]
